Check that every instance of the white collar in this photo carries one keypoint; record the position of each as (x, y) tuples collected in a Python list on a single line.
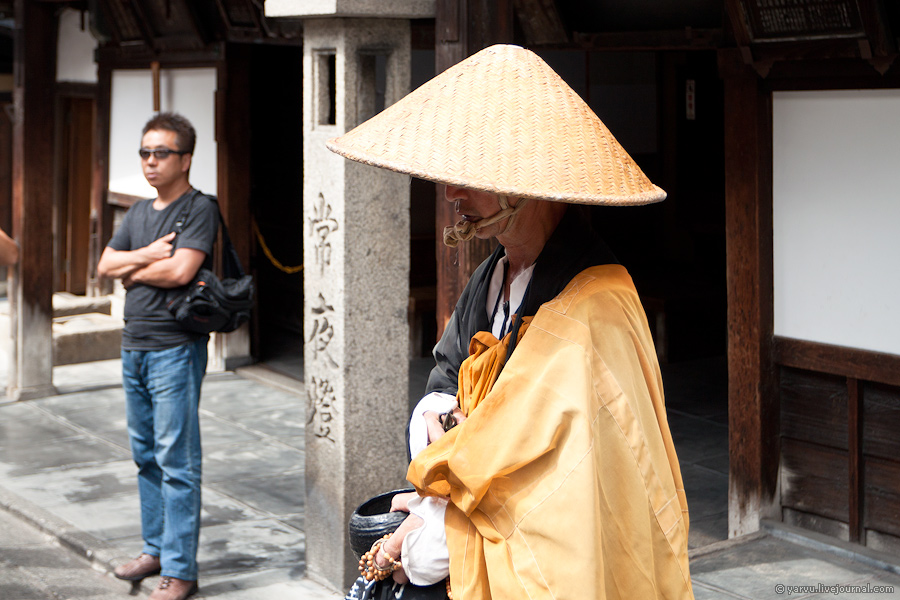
[(516, 295)]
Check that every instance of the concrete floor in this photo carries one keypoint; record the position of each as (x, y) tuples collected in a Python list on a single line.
[(33, 566)]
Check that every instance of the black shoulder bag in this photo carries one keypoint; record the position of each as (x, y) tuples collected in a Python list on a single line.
[(207, 303)]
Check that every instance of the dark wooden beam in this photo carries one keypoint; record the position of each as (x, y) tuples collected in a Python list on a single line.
[(34, 71), (741, 29), (854, 363), (828, 48), (874, 22), (257, 26), (846, 74), (195, 18), (541, 22), (143, 24), (854, 458), (752, 399), (684, 39), (462, 28), (879, 47), (139, 57)]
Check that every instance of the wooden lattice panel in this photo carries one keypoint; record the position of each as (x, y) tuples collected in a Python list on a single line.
[(803, 19)]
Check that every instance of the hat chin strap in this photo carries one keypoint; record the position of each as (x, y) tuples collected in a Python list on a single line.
[(466, 230)]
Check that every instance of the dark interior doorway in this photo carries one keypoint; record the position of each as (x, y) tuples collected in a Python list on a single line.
[(670, 118), (276, 170), (667, 109)]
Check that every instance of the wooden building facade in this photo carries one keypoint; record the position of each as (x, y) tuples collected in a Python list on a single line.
[(813, 426)]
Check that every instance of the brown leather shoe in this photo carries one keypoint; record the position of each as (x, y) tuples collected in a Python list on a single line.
[(143, 566), (171, 588)]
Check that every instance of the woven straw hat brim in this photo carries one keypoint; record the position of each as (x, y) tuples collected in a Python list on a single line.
[(502, 121)]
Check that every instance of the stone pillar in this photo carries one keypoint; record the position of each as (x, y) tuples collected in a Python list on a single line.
[(356, 252)]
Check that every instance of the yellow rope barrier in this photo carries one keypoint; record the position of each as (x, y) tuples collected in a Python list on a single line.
[(268, 253)]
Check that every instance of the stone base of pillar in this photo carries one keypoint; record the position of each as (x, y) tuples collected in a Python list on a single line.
[(30, 393)]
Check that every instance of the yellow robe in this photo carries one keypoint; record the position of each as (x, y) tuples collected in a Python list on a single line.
[(563, 481)]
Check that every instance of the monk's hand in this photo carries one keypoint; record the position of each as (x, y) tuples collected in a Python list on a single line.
[(438, 424), (400, 577), (433, 425), (392, 547), (400, 502)]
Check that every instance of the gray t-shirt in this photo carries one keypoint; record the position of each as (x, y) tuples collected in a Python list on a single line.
[(148, 323)]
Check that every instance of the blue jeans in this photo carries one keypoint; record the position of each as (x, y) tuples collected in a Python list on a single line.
[(162, 393)]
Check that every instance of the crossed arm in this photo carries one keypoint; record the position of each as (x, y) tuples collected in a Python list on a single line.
[(9, 250), (154, 264)]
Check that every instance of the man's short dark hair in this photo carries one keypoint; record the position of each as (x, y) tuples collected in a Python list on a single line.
[(186, 136)]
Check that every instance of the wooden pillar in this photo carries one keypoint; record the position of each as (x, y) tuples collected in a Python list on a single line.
[(462, 28), (34, 72), (752, 399), (101, 212), (232, 145), (5, 175)]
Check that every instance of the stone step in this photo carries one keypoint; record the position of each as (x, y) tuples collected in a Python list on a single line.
[(82, 338), (66, 304)]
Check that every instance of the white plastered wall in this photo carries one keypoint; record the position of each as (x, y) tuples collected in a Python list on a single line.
[(836, 210), (190, 92), (75, 48)]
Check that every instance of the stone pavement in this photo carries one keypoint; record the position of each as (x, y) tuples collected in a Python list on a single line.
[(65, 467), (34, 566)]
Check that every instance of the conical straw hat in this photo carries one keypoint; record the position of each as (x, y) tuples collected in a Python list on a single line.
[(502, 121)]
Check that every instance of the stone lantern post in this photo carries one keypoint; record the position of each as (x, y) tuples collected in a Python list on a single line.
[(356, 256)]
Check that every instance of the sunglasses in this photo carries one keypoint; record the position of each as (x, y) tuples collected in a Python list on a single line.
[(161, 154)]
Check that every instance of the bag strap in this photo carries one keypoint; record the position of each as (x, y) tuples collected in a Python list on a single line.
[(231, 264), (182, 218)]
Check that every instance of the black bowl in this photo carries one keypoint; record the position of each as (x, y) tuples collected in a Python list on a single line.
[(372, 520)]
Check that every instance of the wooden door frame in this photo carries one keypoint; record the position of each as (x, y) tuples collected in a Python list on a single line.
[(65, 92)]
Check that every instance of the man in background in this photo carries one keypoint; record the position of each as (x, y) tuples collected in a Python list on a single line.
[(160, 245)]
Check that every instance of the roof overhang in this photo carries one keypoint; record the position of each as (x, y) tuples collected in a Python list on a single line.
[(768, 32)]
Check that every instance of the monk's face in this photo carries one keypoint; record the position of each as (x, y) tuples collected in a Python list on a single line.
[(475, 205)]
